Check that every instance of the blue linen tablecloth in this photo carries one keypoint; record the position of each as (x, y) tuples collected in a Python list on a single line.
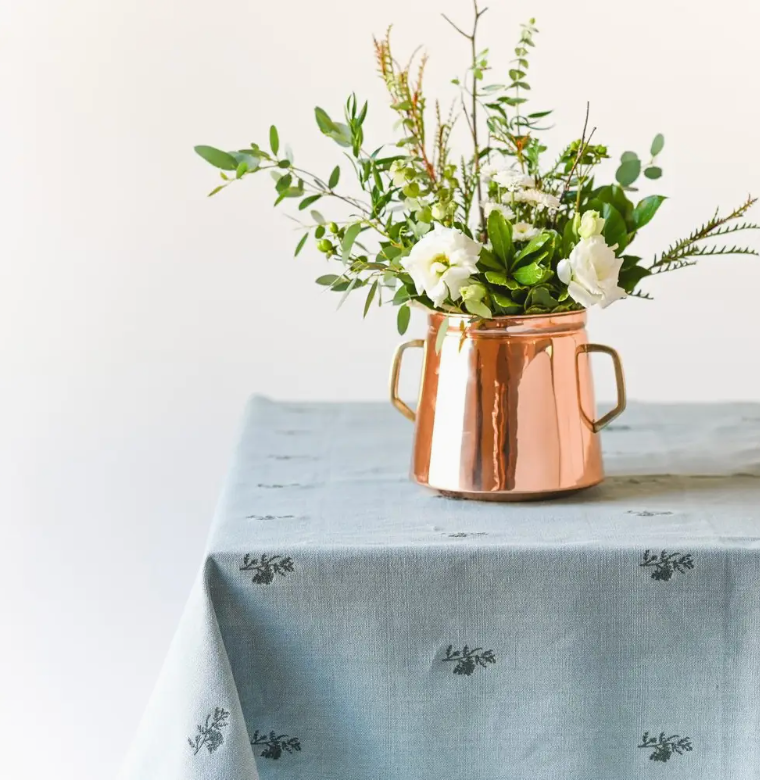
[(349, 625)]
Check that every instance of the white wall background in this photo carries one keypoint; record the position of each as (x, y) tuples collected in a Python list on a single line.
[(136, 316)]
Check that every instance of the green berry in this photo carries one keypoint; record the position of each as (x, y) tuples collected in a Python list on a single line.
[(325, 245)]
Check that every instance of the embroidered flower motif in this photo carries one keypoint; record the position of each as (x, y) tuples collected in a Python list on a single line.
[(663, 748), (667, 564), (209, 733), (275, 744), (468, 659), (266, 567)]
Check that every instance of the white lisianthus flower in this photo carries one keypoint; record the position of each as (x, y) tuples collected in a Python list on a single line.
[(505, 211), (591, 224), (441, 263), (523, 231), (591, 273), (513, 180)]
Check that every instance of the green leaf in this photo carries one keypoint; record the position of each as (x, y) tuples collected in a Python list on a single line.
[(657, 144), (402, 321), (216, 189), (536, 243), (217, 158), (283, 183), (324, 122), (615, 230), (478, 308), (501, 279), (317, 217), (300, 244), (488, 260), (401, 296), (370, 296), (334, 177), (626, 156), (306, 202), (242, 169), (628, 172), (350, 236), (531, 274), (653, 172), (506, 303), (327, 280), (631, 273), (540, 296), (500, 233), (274, 140), (646, 209)]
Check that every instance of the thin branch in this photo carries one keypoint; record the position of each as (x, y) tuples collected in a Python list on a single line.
[(581, 151)]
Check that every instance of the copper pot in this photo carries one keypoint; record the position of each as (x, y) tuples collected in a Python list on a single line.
[(506, 407)]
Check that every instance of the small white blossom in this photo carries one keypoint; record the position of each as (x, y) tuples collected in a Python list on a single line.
[(541, 200), (490, 169), (505, 211), (591, 273), (513, 180), (441, 263), (522, 231)]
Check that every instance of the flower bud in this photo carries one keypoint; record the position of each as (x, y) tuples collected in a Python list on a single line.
[(439, 211), (591, 224), (425, 214), (474, 292)]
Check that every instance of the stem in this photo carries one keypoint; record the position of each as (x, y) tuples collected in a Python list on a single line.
[(472, 118)]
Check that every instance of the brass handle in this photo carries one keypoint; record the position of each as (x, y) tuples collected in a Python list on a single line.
[(396, 373), (603, 422)]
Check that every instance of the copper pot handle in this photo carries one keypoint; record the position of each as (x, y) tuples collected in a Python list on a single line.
[(604, 421), (396, 373)]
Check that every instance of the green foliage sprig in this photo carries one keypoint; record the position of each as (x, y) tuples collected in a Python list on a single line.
[(490, 232)]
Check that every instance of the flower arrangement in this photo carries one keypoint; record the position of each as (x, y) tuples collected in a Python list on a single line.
[(494, 232)]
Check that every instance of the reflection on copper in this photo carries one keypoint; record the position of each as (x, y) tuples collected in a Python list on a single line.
[(506, 407)]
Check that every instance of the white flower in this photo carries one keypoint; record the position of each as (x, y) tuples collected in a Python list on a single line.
[(505, 211), (591, 224), (541, 200), (522, 231), (490, 169), (513, 180), (591, 273), (441, 263)]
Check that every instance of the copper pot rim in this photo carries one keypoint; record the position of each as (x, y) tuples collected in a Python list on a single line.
[(512, 323)]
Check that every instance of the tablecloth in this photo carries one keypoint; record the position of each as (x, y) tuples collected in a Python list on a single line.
[(348, 625)]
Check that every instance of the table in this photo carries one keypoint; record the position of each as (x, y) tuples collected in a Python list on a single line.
[(349, 625)]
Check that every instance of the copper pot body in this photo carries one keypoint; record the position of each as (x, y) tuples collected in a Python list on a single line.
[(506, 407)]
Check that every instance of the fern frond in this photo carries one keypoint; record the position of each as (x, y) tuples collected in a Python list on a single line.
[(675, 256)]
